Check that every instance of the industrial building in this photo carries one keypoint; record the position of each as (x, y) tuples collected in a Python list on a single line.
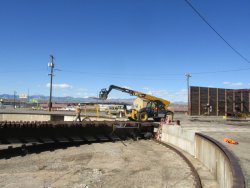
[(218, 101)]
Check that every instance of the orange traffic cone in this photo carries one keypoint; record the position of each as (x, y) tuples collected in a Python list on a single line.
[(230, 141)]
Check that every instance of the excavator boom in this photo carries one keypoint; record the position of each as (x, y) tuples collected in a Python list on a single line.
[(104, 92)]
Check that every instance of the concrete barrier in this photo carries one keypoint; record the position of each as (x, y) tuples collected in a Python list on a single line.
[(180, 138), (30, 117), (220, 162), (47, 116), (24, 117)]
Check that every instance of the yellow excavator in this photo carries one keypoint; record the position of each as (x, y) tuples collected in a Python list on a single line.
[(155, 108)]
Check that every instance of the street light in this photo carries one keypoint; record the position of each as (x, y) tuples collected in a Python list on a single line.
[(51, 65), (188, 75)]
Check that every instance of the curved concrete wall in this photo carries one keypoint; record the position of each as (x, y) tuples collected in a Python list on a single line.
[(213, 158), (210, 152), (221, 162), (178, 137)]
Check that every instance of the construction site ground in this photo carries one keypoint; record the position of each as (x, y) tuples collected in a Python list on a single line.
[(142, 163)]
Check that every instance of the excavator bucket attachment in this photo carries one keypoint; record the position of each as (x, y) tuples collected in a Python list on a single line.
[(103, 95)]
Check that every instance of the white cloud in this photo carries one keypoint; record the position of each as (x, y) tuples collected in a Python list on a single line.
[(81, 94), (60, 86), (172, 96), (233, 83), (82, 89)]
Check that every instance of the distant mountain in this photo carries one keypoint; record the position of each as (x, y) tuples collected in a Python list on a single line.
[(179, 103), (6, 96), (68, 99)]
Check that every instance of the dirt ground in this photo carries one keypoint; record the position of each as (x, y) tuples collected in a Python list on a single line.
[(132, 164)]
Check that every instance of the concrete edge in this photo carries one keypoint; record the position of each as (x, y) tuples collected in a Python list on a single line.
[(191, 166), (237, 174), (44, 113)]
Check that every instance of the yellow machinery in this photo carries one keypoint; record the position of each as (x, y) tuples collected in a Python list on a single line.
[(156, 108)]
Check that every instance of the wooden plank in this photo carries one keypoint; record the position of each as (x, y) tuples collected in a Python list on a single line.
[(241, 100), (221, 102), (194, 97), (199, 102), (225, 100), (248, 102), (233, 101), (208, 101), (212, 101), (217, 101)]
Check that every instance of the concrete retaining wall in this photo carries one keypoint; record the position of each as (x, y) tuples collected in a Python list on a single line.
[(211, 153), (178, 137), (24, 117), (31, 117), (215, 160), (46, 117)]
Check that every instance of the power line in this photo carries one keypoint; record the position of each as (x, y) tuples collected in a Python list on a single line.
[(122, 75), (222, 71), (20, 71), (203, 18), (127, 75)]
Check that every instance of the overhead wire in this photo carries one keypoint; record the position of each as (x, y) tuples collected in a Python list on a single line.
[(222, 71), (152, 74), (121, 75), (129, 75), (204, 19), (20, 71)]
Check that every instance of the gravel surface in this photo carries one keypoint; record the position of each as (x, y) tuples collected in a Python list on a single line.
[(132, 164)]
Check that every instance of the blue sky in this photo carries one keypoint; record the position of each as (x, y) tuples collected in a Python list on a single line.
[(144, 45)]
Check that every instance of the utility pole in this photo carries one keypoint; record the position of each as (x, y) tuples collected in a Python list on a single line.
[(188, 75), (28, 97), (14, 99), (51, 65)]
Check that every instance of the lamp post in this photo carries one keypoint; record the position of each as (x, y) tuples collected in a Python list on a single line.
[(51, 65), (188, 75)]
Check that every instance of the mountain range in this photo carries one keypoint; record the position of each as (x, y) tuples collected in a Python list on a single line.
[(42, 98)]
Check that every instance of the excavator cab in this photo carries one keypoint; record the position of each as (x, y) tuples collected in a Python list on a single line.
[(154, 109)]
